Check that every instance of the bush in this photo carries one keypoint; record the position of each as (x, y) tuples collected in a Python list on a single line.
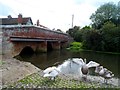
[(75, 46)]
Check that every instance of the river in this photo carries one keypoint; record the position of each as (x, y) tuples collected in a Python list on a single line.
[(44, 60)]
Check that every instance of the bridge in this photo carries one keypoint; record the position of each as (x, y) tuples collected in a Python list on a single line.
[(17, 38)]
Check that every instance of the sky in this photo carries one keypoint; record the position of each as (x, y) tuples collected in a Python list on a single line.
[(54, 14)]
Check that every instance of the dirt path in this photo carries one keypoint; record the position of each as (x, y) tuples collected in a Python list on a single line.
[(13, 70)]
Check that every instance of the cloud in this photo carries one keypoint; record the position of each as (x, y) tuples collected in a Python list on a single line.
[(4, 11), (53, 13)]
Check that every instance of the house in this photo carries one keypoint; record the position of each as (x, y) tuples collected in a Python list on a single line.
[(16, 21), (20, 21)]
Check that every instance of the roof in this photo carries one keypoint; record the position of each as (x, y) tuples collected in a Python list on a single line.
[(14, 21)]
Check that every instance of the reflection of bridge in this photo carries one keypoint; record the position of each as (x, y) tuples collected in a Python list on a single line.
[(18, 37)]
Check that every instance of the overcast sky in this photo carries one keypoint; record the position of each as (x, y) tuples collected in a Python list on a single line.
[(53, 13)]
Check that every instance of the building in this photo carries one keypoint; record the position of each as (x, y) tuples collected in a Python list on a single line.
[(16, 21), (19, 21)]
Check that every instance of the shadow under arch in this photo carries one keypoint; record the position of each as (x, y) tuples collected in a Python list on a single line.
[(49, 46), (27, 51)]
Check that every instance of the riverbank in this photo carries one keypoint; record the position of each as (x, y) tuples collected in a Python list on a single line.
[(13, 70), (36, 80), (78, 47), (19, 74)]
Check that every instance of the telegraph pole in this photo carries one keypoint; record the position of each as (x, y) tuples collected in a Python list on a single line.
[(72, 20)]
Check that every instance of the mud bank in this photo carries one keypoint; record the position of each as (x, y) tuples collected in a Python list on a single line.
[(13, 70)]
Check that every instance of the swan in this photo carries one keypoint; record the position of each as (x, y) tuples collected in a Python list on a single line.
[(104, 72), (71, 66), (51, 72), (76, 66), (85, 67), (49, 69)]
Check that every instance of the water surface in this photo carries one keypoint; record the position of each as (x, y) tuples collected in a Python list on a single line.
[(44, 60)]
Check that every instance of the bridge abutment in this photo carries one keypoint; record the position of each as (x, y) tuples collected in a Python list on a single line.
[(56, 45), (41, 46), (64, 44)]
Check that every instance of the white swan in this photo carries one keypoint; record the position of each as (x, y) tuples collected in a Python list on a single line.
[(98, 69), (105, 73), (71, 66), (85, 67), (51, 72)]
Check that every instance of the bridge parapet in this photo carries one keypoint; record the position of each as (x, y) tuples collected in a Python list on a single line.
[(31, 31)]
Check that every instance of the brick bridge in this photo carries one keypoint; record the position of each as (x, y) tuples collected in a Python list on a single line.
[(16, 38)]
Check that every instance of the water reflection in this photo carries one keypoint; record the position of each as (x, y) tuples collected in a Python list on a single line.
[(44, 60)]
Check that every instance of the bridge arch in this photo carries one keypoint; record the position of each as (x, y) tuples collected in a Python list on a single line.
[(27, 50)]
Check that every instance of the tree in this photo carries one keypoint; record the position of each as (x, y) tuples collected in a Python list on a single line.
[(72, 31), (78, 36), (59, 30), (86, 27), (118, 14), (106, 12), (92, 40), (111, 35)]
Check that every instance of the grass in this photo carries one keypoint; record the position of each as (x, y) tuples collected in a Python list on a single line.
[(77, 47), (1, 62), (37, 81), (107, 52)]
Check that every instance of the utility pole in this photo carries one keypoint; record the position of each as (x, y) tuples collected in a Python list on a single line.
[(72, 20)]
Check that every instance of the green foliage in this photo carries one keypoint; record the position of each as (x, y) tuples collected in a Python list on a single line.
[(78, 36), (106, 12), (105, 33), (111, 35), (92, 40), (75, 33), (86, 28), (75, 46), (106, 38), (1, 62), (73, 30)]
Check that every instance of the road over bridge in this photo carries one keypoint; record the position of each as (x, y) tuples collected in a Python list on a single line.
[(17, 38)]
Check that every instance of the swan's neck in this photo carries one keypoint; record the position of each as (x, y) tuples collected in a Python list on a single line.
[(101, 72)]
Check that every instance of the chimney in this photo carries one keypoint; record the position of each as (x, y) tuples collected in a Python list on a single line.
[(20, 20), (9, 16), (38, 23)]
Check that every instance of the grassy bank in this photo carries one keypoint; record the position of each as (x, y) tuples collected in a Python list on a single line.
[(37, 81), (77, 47)]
